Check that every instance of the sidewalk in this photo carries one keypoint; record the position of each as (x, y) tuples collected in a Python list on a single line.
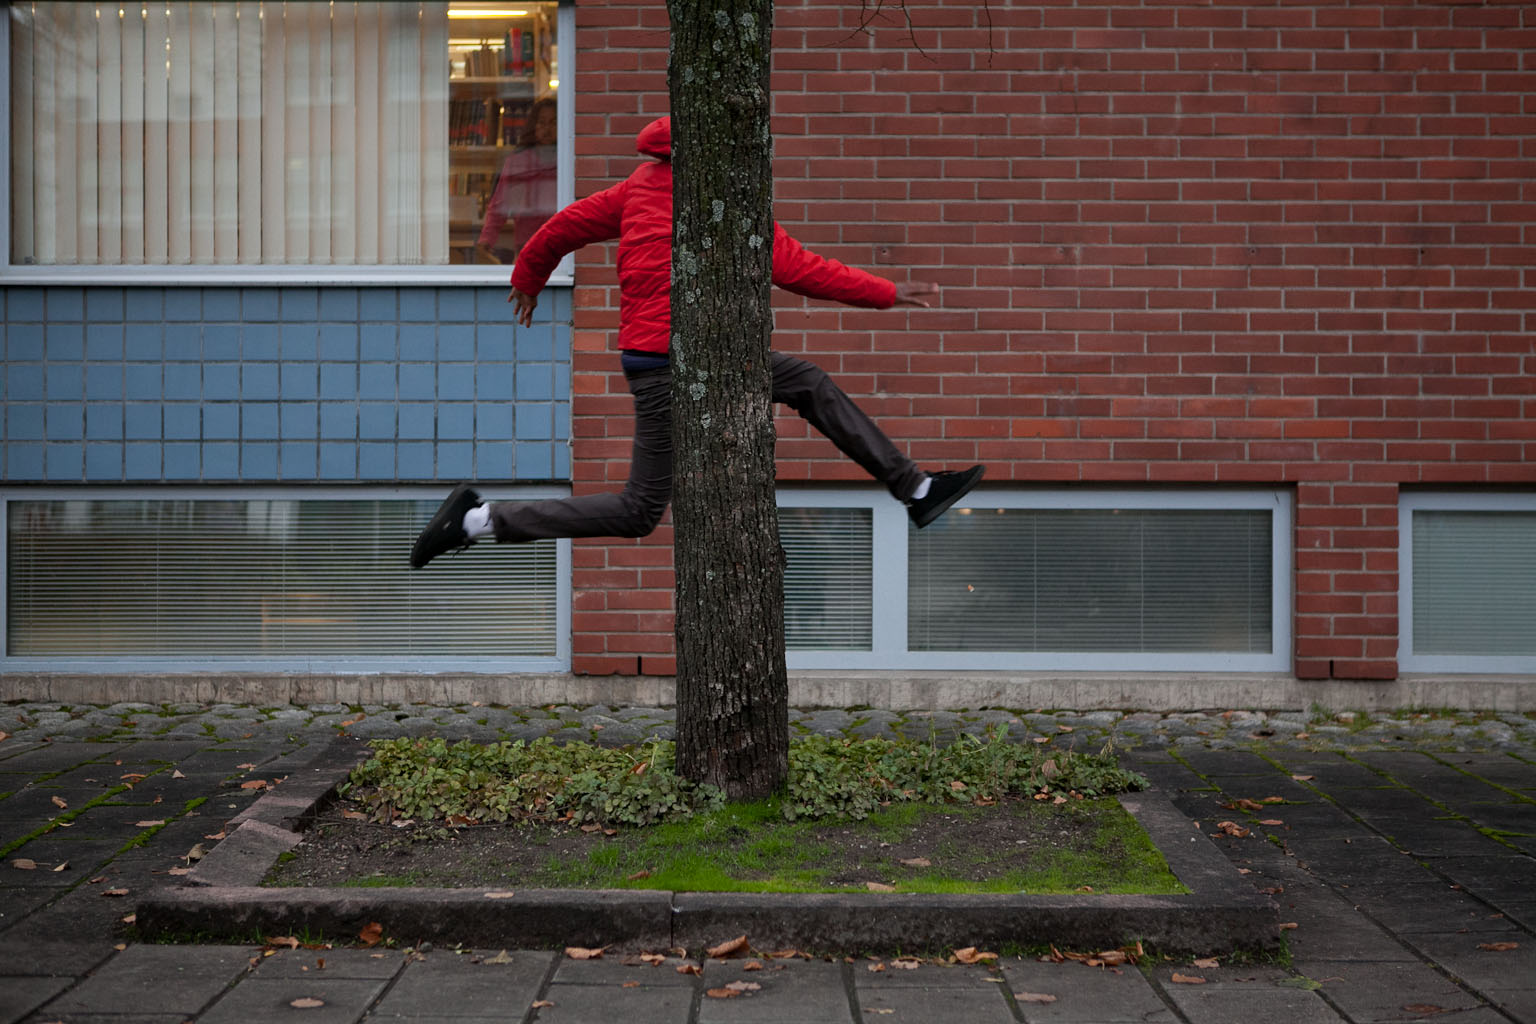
[(1404, 857)]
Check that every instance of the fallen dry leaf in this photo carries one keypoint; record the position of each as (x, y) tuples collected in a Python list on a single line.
[(1303, 778), (254, 784), (918, 862), (1232, 828), (152, 823), (542, 1004), (879, 1009), (1187, 979), (1271, 821), (745, 986), (689, 969), (1034, 997), (177, 774), (499, 958), (956, 785), (217, 836), (1289, 926), (129, 919), (60, 803), (24, 863), (352, 815), (500, 894), (582, 953), (114, 892), (877, 968), (630, 984), (752, 965), (735, 947), (371, 933), (972, 955), (290, 941), (906, 963), (1209, 963), (61, 866), (179, 871), (879, 887), (1498, 947), (247, 766), (306, 1003), (722, 993), (637, 876), (657, 959)]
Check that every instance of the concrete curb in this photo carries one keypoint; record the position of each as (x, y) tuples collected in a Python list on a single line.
[(223, 899)]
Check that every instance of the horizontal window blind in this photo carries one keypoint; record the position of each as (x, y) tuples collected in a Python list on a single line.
[(264, 578), (828, 579), (1084, 580), (1474, 582)]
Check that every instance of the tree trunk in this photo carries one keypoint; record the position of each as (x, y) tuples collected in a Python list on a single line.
[(732, 691)]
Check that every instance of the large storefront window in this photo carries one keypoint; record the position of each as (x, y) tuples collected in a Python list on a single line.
[(252, 133)]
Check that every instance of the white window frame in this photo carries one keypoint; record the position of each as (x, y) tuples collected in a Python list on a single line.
[(1410, 502), (889, 539), (261, 275), (115, 665)]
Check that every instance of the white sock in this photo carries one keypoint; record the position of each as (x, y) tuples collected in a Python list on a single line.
[(922, 489), (477, 521)]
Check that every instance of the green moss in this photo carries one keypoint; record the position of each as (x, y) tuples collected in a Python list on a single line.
[(751, 848)]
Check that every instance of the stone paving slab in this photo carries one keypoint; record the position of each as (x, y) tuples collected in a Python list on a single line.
[(808, 992), (474, 988), (1084, 995), (156, 979)]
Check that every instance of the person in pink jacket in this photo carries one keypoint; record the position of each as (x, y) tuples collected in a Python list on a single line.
[(638, 212)]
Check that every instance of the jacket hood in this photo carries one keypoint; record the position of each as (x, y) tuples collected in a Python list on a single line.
[(655, 139)]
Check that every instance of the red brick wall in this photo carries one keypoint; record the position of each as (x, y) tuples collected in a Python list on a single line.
[(1230, 243)]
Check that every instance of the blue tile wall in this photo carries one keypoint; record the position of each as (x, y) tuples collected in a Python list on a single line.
[(267, 385)]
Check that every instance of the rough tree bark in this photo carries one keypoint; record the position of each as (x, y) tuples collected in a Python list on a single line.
[(732, 690)]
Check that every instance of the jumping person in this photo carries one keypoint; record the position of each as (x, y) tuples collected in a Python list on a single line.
[(638, 212)]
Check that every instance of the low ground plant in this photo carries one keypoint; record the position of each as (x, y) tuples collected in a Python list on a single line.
[(471, 783)]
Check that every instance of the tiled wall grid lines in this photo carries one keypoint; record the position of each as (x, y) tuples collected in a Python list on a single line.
[(1179, 243), (291, 384)]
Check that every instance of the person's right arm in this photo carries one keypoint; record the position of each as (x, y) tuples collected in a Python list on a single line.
[(593, 219)]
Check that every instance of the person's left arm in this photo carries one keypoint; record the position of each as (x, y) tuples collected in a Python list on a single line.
[(797, 269)]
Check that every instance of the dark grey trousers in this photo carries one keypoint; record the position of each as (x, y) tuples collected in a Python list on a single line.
[(635, 511)]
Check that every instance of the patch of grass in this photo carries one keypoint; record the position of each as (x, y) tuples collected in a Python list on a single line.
[(752, 848)]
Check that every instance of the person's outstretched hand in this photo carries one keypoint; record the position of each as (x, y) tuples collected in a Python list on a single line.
[(525, 304), (916, 293)]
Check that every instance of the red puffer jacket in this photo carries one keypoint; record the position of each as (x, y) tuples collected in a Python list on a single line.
[(638, 212)]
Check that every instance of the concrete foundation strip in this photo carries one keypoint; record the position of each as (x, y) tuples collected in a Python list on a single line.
[(223, 898)]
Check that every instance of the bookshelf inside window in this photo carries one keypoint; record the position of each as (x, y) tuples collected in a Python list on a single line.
[(503, 63)]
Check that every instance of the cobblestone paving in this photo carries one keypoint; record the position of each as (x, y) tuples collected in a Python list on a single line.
[(616, 726)]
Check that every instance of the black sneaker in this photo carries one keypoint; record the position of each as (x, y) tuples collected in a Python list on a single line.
[(446, 530), (944, 489)]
